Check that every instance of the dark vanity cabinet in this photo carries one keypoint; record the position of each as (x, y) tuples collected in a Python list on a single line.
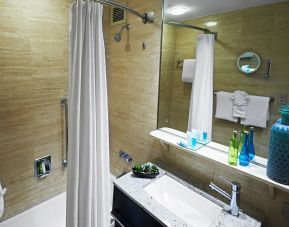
[(128, 213)]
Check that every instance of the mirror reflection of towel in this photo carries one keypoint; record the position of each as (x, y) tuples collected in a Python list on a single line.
[(240, 101), (188, 70), (2, 193), (257, 111), (224, 106)]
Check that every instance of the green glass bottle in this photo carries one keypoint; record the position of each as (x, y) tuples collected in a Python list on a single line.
[(242, 137), (233, 150)]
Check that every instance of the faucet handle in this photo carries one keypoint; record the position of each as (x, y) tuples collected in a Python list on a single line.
[(235, 185)]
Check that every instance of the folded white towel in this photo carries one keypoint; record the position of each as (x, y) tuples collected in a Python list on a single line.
[(224, 106), (257, 111), (240, 101), (188, 70)]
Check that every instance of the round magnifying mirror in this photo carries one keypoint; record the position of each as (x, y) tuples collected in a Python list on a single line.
[(249, 62)]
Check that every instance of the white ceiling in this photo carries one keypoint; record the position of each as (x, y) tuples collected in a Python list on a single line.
[(200, 8)]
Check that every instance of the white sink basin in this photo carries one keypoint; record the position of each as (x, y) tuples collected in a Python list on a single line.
[(188, 205)]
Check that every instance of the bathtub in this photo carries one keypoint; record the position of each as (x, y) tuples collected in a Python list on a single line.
[(51, 213)]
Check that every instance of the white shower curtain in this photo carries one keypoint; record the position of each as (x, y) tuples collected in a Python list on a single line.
[(201, 104), (88, 190)]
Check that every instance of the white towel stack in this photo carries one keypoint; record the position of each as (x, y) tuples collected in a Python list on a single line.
[(224, 106), (257, 111), (188, 70), (253, 110)]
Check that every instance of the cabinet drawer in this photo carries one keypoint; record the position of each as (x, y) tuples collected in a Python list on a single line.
[(129, 213)]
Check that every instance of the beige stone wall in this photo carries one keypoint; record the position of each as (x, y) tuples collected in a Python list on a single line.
[(34, 72), (133, 80), (166, 77), (262, 29), (33, 77)]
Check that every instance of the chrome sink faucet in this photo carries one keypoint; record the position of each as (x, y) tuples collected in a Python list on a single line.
[(234, 197)]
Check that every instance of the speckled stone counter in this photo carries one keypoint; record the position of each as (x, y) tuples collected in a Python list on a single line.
[(134, 188)]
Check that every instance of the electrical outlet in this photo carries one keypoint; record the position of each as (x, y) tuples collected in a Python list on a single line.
[(283, 99), (124, 155)]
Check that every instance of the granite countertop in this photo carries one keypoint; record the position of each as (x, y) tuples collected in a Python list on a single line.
[(134, 188)]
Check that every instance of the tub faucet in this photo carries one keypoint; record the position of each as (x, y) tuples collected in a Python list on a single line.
[(234, 197)]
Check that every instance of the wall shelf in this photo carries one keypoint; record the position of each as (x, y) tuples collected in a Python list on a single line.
[(218, 153)]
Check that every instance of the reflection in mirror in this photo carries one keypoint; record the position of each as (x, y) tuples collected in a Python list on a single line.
[(250, 28), (249, 62)]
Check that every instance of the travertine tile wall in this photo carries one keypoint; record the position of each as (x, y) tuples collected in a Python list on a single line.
[(133, 80), (33, 77), (166, 78), (262, 29)]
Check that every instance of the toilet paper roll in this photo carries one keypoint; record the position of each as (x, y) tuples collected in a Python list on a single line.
[(2, 193)]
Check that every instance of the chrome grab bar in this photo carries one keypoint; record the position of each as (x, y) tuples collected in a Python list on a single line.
[(64, 104)]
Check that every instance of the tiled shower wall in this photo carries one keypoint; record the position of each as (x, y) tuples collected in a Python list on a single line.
[(133, 76), (33, 77)]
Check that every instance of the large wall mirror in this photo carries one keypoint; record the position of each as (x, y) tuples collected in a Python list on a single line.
[(261, 27)]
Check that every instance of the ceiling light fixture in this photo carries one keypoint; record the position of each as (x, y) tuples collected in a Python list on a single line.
[(211, 23), (177, 10)]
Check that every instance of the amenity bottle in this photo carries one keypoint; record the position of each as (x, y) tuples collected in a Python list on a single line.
[(244, 154), (251, 144), (233, 150)]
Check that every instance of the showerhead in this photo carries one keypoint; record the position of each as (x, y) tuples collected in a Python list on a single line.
[(117, 36)]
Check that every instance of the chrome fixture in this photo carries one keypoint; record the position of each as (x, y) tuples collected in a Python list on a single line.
[(234, 197), (146, 17), (180, 63), (117, 36), (64, 104), (124, 155), (179, 24)]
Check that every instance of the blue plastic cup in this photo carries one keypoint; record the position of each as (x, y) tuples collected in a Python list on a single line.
[(205, 136), (194, 142)]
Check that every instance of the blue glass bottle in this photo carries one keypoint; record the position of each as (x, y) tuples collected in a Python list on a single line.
[(244, 154), (251, 144)]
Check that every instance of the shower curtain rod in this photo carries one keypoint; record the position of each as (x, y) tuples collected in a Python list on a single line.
[(205, 30), (146, 17)]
